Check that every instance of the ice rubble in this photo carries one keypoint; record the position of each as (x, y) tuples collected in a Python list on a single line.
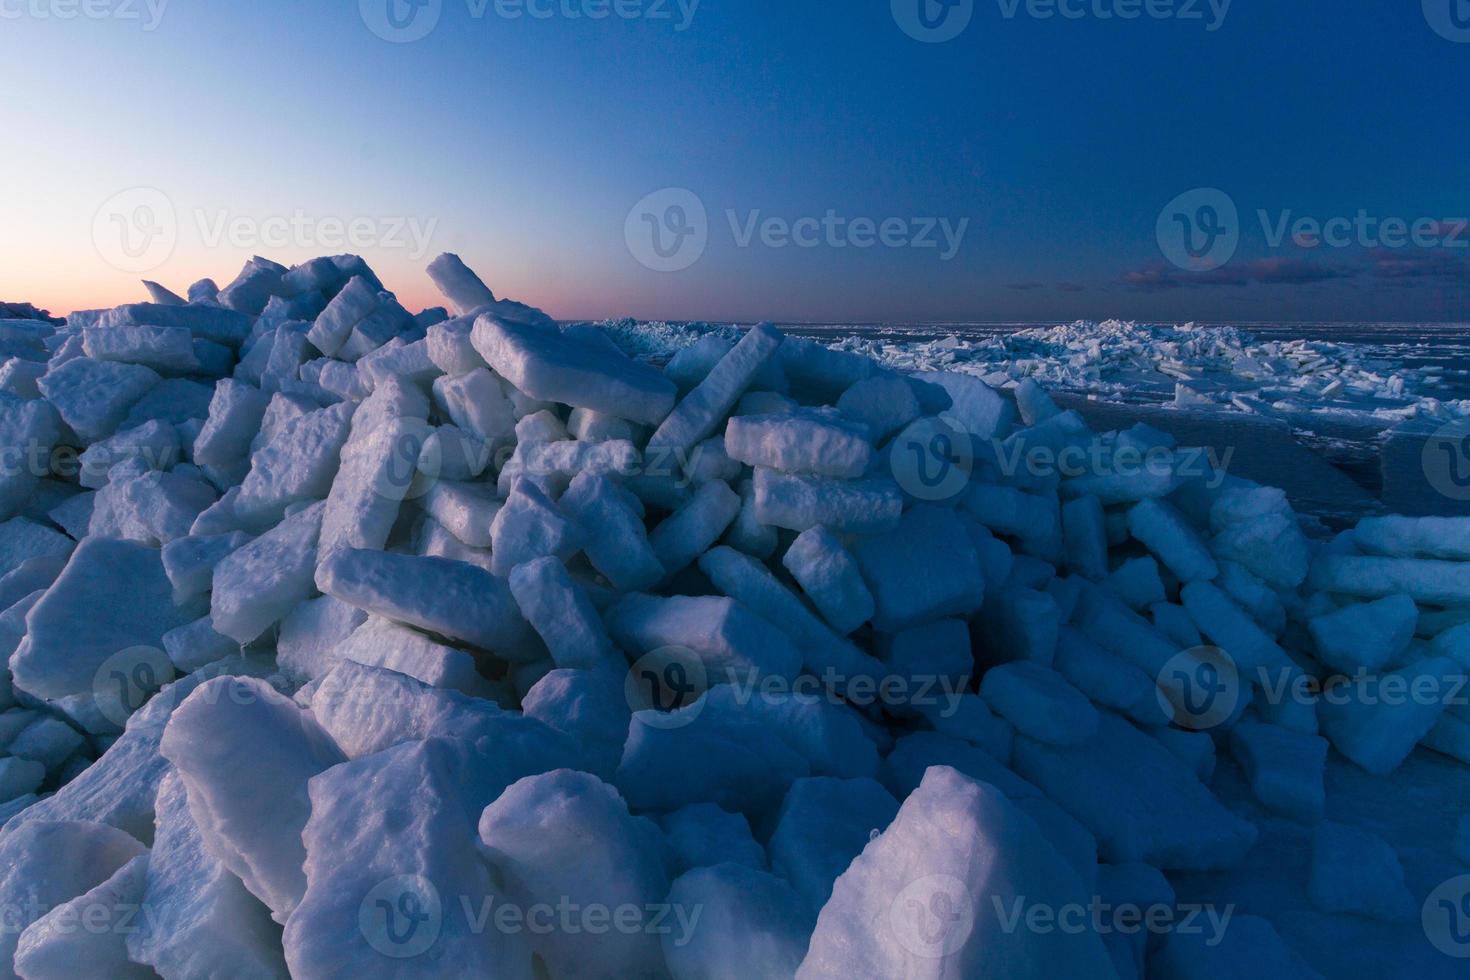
[(345, 640)]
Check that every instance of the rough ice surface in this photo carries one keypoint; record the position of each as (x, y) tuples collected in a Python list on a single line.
[(918, 901), (387, 632), (247, 794)]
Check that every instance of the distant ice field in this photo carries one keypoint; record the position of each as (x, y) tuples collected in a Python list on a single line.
[(1359, 397)]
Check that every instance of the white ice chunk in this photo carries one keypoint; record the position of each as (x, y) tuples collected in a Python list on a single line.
[(465, 291), (87, 936), (394, 887), (829, 576), (535, 835), (702, 835), (818, 443), (551, 367), (310, 633), (751, 924), (729, 640), (1040, 703), (168, 349), (693, 528), (93, 397), (203, 922), (1141, 802), (924, 569), (43, 864), (298, 463), (1285, 768), (451, 598), (190, 561), (381, 643), (245, 754), (530, 526), (824, 824), (616, 541), (85, 618), (798, 502), (589, 706), (258, 585), (1377, 722), (699, 414), (884, 404), (918, 901), (1165, 532), (561, 612), (1445, 538), (1365, 636)]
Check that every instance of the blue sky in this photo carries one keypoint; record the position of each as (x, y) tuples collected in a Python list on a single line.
[(524, 142)]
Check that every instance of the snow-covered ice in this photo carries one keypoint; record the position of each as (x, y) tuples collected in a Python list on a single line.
[(360, 643)]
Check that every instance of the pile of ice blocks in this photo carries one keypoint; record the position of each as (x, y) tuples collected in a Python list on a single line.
[(346, 641)]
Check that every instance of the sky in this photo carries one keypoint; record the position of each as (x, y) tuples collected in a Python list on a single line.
[(803, 160)]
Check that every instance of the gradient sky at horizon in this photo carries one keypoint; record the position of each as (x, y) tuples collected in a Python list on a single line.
[(523, 143)]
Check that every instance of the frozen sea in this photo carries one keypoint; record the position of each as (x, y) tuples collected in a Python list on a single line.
[(1336, 413)]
